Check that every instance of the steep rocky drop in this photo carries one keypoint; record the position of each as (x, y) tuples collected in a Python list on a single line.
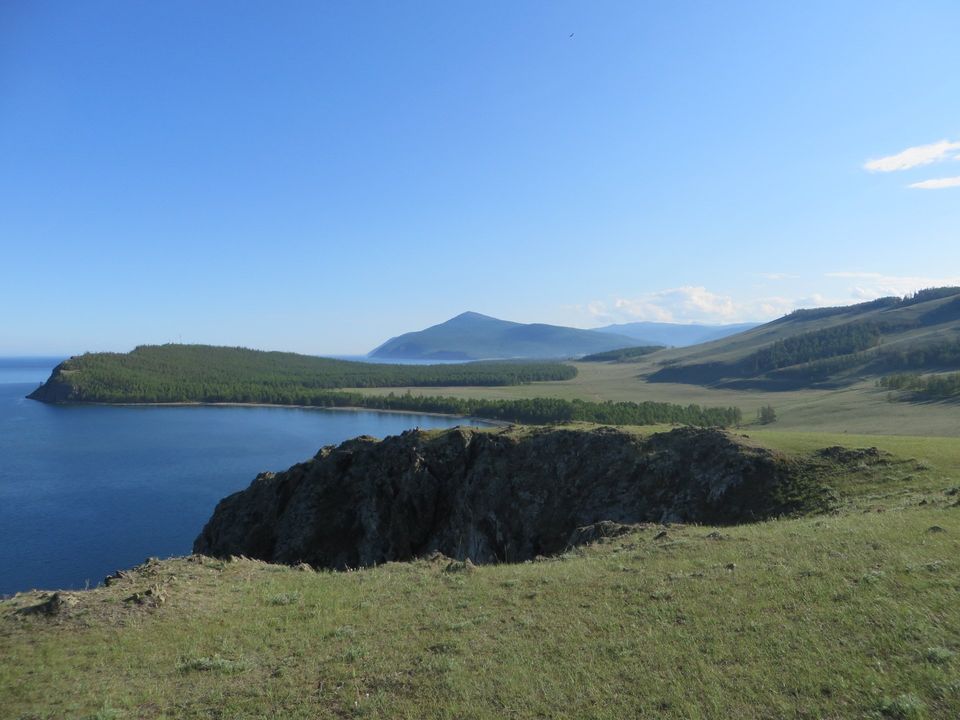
[(498, 496)]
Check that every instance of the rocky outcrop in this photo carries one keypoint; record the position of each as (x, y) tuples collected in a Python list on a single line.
[(497, 496), (55, 390)]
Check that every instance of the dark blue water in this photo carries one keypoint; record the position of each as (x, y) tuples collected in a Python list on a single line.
[(85, 490)]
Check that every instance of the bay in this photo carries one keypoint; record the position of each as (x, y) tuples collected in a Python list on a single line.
[(89, 489)]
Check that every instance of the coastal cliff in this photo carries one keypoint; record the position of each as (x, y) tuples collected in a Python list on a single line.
[(56, 389), (498, 496)]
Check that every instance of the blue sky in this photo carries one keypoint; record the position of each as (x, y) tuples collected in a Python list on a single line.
[(318, 176)]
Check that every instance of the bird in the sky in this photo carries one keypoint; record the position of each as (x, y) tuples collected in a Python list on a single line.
[(571, 35)]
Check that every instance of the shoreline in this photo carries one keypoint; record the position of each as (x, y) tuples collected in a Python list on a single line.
[(345, 408)]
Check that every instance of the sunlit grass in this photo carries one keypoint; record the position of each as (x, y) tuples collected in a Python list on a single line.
[(861, 408), (851, 614)]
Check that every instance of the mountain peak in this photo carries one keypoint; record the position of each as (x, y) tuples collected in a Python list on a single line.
[(470, 315), (474, 336)]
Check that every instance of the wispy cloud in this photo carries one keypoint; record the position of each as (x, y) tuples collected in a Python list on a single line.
[(697, 304), (690, 304), (914, 157), (685, 303), (937, 183), (871, 285)]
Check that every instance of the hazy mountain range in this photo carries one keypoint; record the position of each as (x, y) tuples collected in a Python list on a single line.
[(472, 336), (675, 334)]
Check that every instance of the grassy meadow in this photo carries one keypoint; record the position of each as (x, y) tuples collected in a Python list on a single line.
[(851, 614), (861, 408)]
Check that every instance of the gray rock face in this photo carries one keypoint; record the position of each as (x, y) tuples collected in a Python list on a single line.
[(503, 496)]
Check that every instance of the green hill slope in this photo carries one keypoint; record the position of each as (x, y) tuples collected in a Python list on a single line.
[(847, 615), (828, 347), (472, 336)]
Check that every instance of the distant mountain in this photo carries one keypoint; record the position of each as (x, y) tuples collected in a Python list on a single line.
[(827, 347), (472, 336), (675, 334)]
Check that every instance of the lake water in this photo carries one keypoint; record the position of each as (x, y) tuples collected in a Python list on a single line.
[(86, 490)]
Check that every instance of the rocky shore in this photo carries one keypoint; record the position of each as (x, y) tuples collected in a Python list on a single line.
[(502, 496)]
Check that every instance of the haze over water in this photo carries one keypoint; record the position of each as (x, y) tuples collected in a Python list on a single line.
[(86, 490)]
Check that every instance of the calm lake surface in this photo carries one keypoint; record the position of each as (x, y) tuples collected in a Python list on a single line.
[(86, 490)]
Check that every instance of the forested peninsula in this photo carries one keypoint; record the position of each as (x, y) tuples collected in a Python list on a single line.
[(207, 374)]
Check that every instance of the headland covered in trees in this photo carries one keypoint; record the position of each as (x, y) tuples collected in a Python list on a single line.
[(208, 374)]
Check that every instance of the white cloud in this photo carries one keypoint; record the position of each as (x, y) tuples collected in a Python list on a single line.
[(914, 157), (937, 183), (642, 309), (681, 304), (871, 285), (697, 304), (691, 304)]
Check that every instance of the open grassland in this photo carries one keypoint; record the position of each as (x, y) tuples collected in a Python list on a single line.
[(847, 615), (179, 373), (861, 408)]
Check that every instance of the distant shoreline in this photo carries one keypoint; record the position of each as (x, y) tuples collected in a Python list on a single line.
[(347, 408)]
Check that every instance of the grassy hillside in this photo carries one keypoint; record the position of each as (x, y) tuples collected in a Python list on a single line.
[(913, 342), (474, 336), (847, 615), (828, 347), (861, 408)]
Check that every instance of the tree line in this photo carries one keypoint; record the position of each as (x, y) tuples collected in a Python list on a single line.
[(623, 354), (884, 303), (816, 345), (943, 354), (523, 410), (538, 410), (933, 387)]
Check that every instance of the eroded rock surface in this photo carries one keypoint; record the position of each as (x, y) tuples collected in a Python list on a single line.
[(497, 496)]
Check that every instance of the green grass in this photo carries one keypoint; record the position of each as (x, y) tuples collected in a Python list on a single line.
[(852, 614), (861, 408)]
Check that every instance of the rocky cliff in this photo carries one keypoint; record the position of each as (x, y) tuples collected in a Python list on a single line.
[(497, 496), (56, 389)]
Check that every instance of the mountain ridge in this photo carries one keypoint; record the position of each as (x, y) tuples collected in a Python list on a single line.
[(827, 347), (474, 336)]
